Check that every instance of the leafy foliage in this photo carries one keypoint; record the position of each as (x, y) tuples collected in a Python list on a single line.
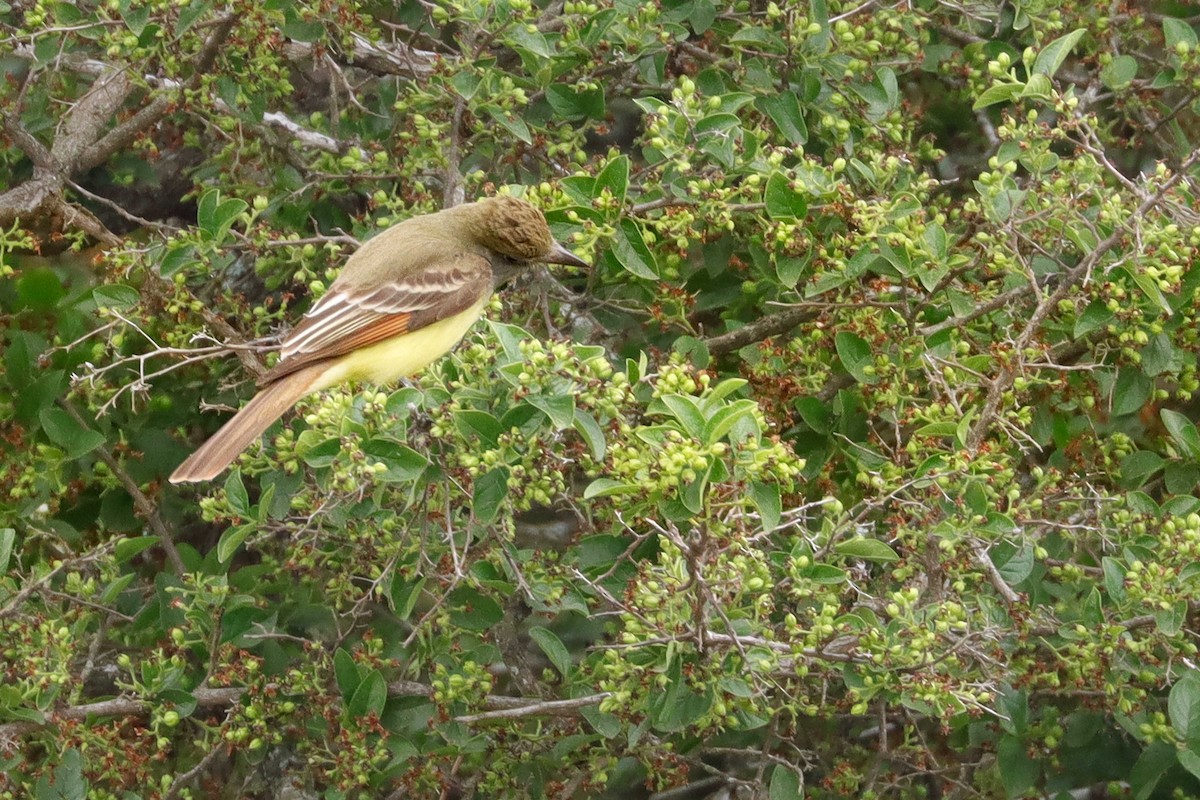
[(862, 463)]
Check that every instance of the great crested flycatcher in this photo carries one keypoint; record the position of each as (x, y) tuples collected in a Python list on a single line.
[(404, 299)]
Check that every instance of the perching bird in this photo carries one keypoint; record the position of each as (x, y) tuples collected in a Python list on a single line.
[(404, 299)]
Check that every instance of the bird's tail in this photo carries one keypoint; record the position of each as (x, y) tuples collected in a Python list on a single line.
[(247, 425)]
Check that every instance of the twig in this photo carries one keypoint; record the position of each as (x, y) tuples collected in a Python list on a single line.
[(982, 558), (999, 301), (181, 781), (223, 697), (18, 599), (761, 328), (147, 509), (1001, 383), (542, 708)]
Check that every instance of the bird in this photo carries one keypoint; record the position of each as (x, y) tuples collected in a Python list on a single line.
[(403, 299)]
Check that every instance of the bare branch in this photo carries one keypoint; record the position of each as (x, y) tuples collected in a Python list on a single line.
[(146, 508), (761, 328)]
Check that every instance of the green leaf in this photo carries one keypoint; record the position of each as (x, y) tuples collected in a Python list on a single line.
[(855, 355), (1183, 705), (1018, 772), (1138, 467), (1038, 87), (785, 784), (236, 494), (1169, 621), (189, 14), (40, 289), (530, 39), (1183, 432), (1180, 478), (783, 202), (784, 110), (999, 93), (631, 252), (1150, 768), (302, 30), (694, 350), (231, 539), (215, 216), (767, 501), (687, 411), (67, 783), (1176, 31), (404, 595), (1119, 72), (370, 697), (345, 671), (1190, 761), (605, 724), (867, 550), (615, 178), (1093, 318), (403, 463), (66, 432), (560, 409), (936, 240), (474, 424), (178, 257), (127, 549), (488, 493), (1014, 564), (607, 487), (317, 454), (789, 269), (825, 574), (1013, 706), (510, 338), (1114, 578), (1054, 54), (184, 701), (8, 537), (1159, 356), (115, 296), (553, 647), (1130, 392), (572, 103), (466, 83), (472, 610), (702, 16), (511, 123), (591, 433), (724, 421), (677, 706), (722, 390), (1149, 287)]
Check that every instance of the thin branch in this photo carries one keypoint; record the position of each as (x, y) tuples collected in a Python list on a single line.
[(18, 599), (542, 708), (1005, 591), (145, 507), (761, 328), (999, 301), (224, 697), (182, 781), (1001, 383)]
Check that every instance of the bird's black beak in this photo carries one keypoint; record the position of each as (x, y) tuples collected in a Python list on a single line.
[(559, 254)]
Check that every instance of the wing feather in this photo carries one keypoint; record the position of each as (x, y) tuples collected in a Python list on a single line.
[(350, 318)]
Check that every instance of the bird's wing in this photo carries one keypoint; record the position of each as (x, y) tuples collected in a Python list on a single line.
[(351, 318)]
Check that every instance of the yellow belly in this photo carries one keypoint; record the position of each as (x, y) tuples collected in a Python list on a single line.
[(402, 355)]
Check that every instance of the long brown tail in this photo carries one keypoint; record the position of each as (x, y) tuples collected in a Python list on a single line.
[(247, 425)]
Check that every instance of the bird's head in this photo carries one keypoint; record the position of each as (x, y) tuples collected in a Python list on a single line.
[(516, 229)]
